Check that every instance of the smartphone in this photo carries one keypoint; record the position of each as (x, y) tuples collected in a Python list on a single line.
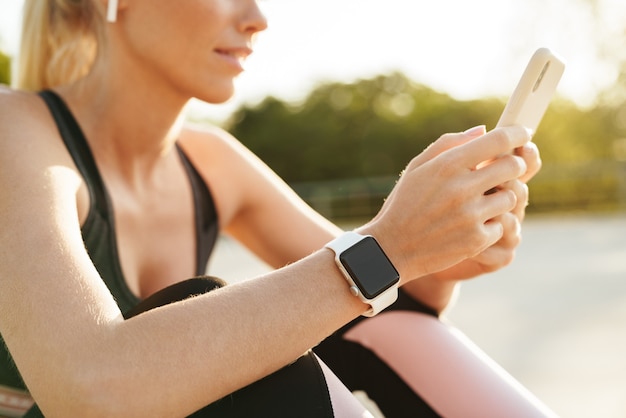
[(533, 93)]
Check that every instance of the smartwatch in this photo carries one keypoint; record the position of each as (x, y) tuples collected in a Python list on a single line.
[(368, 270)]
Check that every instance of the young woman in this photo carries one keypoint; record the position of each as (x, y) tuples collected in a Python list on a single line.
[(107, 199)]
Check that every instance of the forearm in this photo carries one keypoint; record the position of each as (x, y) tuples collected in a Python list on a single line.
[(256, 327), (205, 347)]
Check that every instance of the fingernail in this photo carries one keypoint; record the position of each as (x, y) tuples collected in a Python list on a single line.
[(526, 149), (476, 130), (529, 148)]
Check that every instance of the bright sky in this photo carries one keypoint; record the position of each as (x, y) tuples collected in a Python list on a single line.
[(466, 48)]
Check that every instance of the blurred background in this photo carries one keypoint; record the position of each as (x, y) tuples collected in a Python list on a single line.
[(338, 96)]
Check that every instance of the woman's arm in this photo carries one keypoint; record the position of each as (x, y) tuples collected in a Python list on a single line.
[(279, 227), (79, 357)]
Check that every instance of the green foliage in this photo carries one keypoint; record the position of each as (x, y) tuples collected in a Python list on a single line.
[(5, 69), (581, 170), (372, 128)]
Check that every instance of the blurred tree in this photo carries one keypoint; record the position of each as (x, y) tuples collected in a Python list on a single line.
[(371, 128), (5, 68)]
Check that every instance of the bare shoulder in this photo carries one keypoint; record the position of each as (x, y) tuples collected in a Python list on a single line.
[(237, 177), (210, 142), (17, 103), (216, 153), (26, 129), (30, 147), (25, 123)]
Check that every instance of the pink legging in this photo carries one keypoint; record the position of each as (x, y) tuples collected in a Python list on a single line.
[(448, 371)]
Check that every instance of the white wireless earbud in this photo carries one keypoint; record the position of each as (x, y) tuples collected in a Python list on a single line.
[(112, 11)]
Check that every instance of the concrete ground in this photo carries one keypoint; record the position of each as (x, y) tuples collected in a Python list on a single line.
[(555, 319)]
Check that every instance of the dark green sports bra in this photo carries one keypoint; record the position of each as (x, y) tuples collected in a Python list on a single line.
[(99, 228)]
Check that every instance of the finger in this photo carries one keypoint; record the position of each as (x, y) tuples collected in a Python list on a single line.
[(493, 232), (500, 171), (512, 231), (491, 145), (494, 258), (521, 191), (446, 142), (502, 252), (530, 153), (497, 204)]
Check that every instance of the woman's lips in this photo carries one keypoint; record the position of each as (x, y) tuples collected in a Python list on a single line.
[(234, 56)]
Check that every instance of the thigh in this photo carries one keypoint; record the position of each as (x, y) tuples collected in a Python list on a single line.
[(442, 367)]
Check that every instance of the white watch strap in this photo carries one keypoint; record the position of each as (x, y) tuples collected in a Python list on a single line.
[(342, 243)]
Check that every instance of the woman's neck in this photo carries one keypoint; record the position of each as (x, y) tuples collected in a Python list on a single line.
[(127, 120)]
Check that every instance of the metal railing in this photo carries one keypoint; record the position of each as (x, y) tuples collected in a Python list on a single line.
[(591, 186)]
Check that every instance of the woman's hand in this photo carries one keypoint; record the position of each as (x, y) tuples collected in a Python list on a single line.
[(502, 252), (438, 214), (437, 289)]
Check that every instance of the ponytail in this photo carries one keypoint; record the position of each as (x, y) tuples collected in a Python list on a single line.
[(59, 42)]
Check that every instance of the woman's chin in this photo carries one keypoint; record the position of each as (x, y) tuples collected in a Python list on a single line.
[(218, 94)]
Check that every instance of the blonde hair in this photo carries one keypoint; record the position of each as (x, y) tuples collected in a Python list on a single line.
[(59, 42)]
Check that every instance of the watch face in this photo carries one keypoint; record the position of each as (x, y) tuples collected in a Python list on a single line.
[(369, 267)]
